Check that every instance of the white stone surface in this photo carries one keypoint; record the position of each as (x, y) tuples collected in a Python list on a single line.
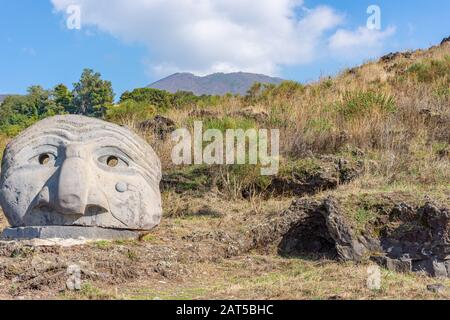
[(68, 232), (77, 171), (65, 243), (74, 277)]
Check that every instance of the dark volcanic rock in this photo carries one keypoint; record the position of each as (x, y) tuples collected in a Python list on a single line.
[(393, 55), (316, 229), (415, 239), (436, 288), (203, 114), (424, 239), (251, 113), (333, 172), (160, 126), (445, 40), (396, 265), (303, 184), (309, 236)]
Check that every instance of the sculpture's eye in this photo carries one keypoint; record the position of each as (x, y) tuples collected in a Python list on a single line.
[(46, 159), (113, 161)]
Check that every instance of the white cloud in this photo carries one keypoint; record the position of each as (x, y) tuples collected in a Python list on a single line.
[(360, 43), (207, 36)]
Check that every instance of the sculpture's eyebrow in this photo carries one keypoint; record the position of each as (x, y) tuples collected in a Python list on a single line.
[(46, 144), (34, 143), (111, 148)]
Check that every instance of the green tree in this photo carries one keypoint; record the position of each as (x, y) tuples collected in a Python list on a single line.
[(159, 98), (92, 95), (19, 112), (16, 109), (184, 98), (41, 103), (63, 98)]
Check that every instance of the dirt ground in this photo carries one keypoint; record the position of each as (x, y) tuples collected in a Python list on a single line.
[(198, 255)]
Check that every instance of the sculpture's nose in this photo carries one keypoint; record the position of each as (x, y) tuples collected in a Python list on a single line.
[(72, 193)]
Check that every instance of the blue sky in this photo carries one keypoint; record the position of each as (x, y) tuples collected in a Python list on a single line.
[(133, 43)]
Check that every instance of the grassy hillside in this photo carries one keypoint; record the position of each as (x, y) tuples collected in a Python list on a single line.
[(392, 114)]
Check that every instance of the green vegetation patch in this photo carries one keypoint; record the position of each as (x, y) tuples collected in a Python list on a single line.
[(361, 103), (431, 69), (188, 178), (300, 167), (228, 122), (130, 110)]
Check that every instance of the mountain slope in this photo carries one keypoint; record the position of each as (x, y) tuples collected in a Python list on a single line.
[(214, 84)]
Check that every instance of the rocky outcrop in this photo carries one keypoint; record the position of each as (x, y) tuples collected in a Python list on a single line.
[(203, 114), (445, 40), (252, 113), (408, 239), (333, 172), (160, 126), (394, 55), (419, 240), (314, 229), (328, 173), (325, 231)]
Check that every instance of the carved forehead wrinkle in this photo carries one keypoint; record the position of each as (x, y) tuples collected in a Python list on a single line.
[(34, 142)]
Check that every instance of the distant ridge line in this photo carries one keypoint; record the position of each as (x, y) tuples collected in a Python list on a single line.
[(213, 84)]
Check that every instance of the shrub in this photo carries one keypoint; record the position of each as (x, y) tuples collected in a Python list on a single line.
[(287, 89), (130, 111), (431, 70), (319, 125), (362, 103), (227, 122), (159, 98), (238, 181)]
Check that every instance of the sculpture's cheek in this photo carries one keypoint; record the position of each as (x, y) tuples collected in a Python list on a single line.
[(133, 202), (18, 192)]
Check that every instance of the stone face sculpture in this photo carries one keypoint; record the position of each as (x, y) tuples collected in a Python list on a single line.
[(77, 171)]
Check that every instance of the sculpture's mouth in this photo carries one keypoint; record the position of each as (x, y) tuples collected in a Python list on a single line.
[(93, 216), (91, 210)]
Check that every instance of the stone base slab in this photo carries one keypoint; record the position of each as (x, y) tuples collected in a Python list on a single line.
[(67, 232)]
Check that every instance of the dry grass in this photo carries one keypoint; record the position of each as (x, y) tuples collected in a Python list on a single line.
[(262, 277), (397, 112)]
